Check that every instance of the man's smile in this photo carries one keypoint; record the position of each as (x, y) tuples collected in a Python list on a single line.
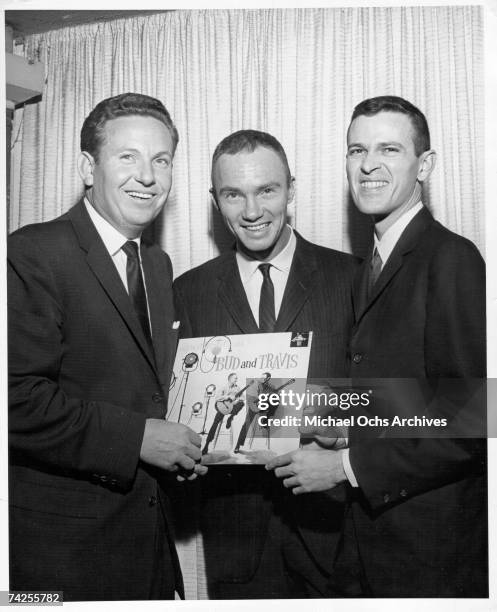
[(139, 195), (257, 228)]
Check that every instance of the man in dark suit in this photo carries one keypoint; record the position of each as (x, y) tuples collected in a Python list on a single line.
[(310, 289), (419, 502), (91, 345)]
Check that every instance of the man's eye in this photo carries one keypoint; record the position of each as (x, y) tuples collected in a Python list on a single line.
[(390, 150), (127, 157), (164, 162), (268, 191), (354, 152), (231, 195)]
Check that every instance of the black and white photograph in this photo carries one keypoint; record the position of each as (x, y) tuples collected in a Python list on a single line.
[(208, 209)]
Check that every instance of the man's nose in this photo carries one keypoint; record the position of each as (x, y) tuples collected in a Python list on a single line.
[(145, 173), (369, 162), (252, 209)]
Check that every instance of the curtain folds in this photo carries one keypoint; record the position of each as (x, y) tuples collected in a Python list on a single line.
[(296, 73)]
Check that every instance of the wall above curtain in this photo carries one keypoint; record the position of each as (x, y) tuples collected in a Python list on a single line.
[(297, 73)]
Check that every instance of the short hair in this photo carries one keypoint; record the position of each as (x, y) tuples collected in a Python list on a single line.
[(123, 105), (230, 376), (249, 140), (395, 104)]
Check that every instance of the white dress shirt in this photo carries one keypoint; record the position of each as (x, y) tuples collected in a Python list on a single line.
[(252, 278), (385, 246), (114, 241)]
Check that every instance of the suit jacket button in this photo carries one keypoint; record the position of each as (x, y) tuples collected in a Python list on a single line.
[(152, 500), (357, 358), (103, 478), (403, 493), (157, 397), (386, 498)]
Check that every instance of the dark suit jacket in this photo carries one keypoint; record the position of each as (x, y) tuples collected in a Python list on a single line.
[(421, 516), (210, 300), (85, 514)]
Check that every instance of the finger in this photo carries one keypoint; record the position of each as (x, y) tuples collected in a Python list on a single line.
[(192, 451), (307, 431), (194, 437), (185, 463), (327, 442), (180, 478), (192, 476), (201, 470), (291, 482), (279, 461), (283, 472), (299, 490)]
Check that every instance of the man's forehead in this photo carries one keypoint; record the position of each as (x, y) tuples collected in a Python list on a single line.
[(382, 126), (135, 127), (262, 162)]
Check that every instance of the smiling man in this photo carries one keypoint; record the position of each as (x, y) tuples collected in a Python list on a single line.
[(273, 280), (419, 503), (91, 346)]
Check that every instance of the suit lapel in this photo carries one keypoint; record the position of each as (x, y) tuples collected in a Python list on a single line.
[(405, 244), (103, 268), (301, 280), (158, 286), (360, 290), (233, 296)]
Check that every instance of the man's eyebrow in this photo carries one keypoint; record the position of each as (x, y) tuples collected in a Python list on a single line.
[(270, 184), (135, 150), (228, 188), (390, 143)]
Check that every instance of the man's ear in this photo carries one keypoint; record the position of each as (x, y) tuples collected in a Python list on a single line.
[(291, 190), (427, 163), (86, 163), (214, 199)]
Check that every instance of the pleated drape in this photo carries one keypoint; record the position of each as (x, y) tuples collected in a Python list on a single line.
[(296, 73)]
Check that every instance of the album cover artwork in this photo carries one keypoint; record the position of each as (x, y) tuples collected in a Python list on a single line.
[(236, 392)]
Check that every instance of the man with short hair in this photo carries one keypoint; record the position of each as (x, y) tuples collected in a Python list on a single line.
[(419, 502), (273, 280), (91, 347)]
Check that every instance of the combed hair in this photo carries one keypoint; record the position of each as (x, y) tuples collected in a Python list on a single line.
[(123, 105), (395, 104), (249, 140)]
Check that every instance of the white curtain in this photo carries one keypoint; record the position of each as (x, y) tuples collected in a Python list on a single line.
[(296, 73)]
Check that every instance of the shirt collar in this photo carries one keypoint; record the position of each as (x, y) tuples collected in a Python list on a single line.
[(282, 261), (387, 243), (112, 239)]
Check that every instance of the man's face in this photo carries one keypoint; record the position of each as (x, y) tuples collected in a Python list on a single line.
[(382, 167), (131, 180), (233, 379), (253, 193)]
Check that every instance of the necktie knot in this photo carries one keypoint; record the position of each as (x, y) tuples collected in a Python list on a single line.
[(264, 268), (131, 249), (374, 269), (376, 259)]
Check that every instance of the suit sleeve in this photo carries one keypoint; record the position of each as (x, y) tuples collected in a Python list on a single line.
[(46, 427), (393, 470)]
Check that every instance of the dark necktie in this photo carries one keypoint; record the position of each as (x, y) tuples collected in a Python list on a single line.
[(136, 288), (374, 270), (267, 318)]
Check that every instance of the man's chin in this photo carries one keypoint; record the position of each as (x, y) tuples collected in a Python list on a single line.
[(257, 249)]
